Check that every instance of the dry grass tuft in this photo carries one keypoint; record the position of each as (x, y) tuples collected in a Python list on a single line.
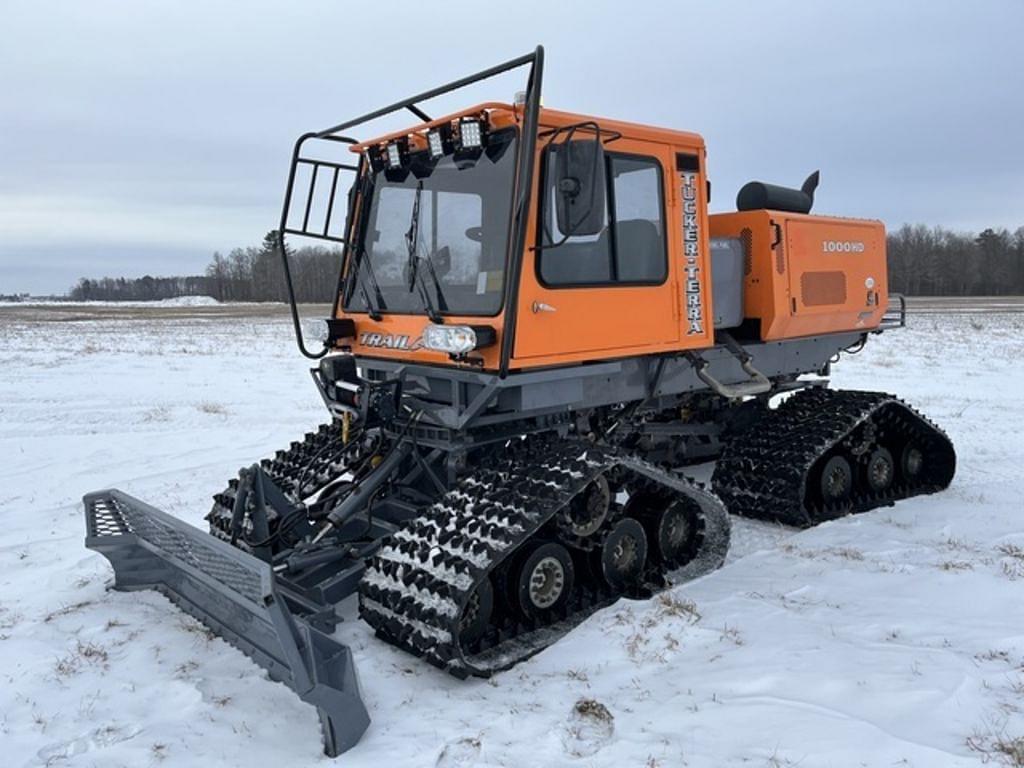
[(84, 653), (1011, 550), (994, 655), (671, 605), (1012, 563), (593, 709), (65, 610), (158, 413), (998, 746), (847, 553), (954, 565), (196, 627), (732, 635), (214, 409)]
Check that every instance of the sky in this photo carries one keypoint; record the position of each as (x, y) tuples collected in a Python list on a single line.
[(139, 137)]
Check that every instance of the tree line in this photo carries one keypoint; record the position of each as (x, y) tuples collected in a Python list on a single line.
[(923, 261), (244, 274), (932, 261)]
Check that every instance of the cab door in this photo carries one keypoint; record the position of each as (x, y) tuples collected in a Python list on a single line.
[(611, 294)]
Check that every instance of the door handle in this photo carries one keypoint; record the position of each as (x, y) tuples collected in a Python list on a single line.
[(540, 306)]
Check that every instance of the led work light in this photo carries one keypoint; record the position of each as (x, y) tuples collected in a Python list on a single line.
[(471, 134)]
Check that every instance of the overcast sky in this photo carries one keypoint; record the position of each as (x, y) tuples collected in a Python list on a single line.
[(139, 137)]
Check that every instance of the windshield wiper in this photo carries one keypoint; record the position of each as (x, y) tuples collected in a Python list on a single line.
[(428, 305), (441, 301), (412, 237), (372, 307)]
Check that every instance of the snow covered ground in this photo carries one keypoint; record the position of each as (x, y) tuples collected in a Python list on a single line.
[(895, 638), (177, 301)]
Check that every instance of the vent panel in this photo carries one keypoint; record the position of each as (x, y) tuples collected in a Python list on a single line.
[(819, 289), (747, 240)]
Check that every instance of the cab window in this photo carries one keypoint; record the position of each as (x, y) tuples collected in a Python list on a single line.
[(629, 250)]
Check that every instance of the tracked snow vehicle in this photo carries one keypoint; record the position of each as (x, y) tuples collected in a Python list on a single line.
[(536, 324)]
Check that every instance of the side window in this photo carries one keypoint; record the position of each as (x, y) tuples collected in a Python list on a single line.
[(630, 248)]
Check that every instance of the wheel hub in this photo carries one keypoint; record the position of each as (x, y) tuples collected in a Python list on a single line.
[(590, 509), (624, 554), (880, 471), (677, 529), (546, 582), (836, 479), (836, 482), (914, 461)]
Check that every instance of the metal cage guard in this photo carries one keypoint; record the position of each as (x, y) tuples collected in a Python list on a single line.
[(524, 174)]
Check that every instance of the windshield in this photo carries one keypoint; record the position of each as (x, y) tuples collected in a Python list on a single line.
[(435, 239)]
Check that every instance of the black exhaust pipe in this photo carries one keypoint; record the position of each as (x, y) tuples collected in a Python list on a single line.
[(757, 195)]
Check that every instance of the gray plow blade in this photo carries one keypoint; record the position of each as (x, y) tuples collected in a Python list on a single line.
[(233, 593)]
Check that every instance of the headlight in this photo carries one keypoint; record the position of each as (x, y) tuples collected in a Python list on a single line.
[(457, 339)]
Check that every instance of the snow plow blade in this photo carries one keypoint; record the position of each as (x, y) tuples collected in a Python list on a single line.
[(234, 594)]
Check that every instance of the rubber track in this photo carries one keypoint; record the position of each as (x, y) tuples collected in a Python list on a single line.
[(769, 471), (420, 582), (300, 470)]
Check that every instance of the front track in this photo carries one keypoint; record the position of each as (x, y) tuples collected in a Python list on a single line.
[(429, 579)]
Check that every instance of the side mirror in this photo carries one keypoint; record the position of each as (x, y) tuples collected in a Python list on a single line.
[(580, 186)]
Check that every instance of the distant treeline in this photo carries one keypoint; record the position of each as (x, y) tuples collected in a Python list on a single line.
[(932, 261), (245, 274), (923, 261)]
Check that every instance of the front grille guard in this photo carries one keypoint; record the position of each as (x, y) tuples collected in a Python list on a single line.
[(233, 593)]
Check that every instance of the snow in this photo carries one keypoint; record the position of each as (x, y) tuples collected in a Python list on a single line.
[(177, 301), (889, 638)]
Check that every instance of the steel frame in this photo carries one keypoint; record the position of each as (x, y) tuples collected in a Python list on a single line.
[(521, 193)]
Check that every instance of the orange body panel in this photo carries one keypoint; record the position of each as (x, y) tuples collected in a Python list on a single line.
[(588, 323), (806, 274)]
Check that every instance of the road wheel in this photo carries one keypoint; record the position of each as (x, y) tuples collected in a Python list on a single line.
[(836, 480), (624, 554), (912, 462), (477, 615), (880, 470), (545, 579), (673, 533), (588, 511)]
